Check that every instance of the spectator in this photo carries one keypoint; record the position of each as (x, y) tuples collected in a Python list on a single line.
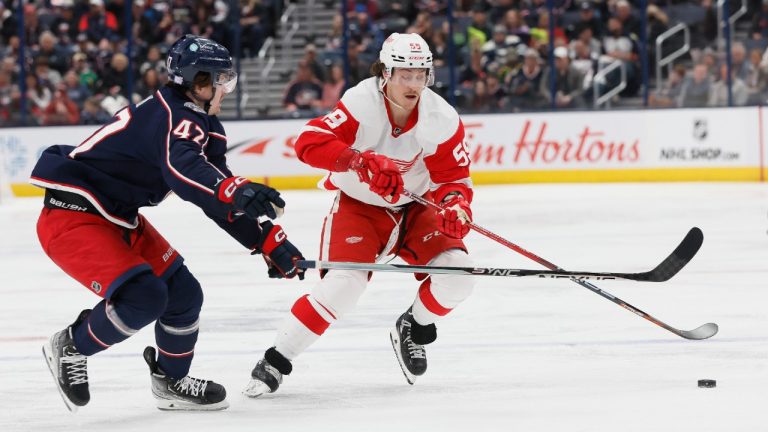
[(618, 45), (757, 81), (57, 58), (362, 29), (61, 110), (479, 29), (303, 98), (569, 82), (38, 96), (587, 19), (495, 50), (541, 31), (92, 113), (115, 75), (668, 95), (154, 60), (397, 9), (8, 24), (85, 74), (696, 89), (9, 99), (333, 87), (422, 25), (333, 43), (709, 59), (524, 86), (113, 101), (590, 44), (76, 91), (586, 62), (252, 32), (739, 64), (496, 92), (439, 48), (499, 9), (358, 69), (516, 26), (759, 27), (149, 84), (98, 23), (310, 58), (718, 96), (45, 74), (629, 24), (480, 101), (657, 24)]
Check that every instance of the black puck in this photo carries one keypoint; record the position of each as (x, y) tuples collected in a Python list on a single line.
[(707, 383)]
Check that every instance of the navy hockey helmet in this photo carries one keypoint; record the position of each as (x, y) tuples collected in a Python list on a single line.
[(192, 54)]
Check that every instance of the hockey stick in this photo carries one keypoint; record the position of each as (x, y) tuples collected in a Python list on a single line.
[(704, 331), (663, 272)]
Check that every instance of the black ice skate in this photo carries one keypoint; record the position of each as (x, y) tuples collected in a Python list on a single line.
[(187, 394), (68, 367), (267, 376), (408, 340)]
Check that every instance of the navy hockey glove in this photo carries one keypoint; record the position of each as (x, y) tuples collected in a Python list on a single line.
[(253, 199), (280, 254)]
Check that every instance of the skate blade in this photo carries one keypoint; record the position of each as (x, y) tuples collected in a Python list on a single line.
[(179, 405), (48, 355), (256, 388), (394, 337)]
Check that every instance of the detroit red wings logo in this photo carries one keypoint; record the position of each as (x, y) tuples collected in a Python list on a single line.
[(405, 166)]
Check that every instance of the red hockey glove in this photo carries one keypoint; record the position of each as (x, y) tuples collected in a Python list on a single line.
[(280, 254), (380, 173), (454, 220), (253, 199)]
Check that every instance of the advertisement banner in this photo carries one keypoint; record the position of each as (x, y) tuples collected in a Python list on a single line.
[(675, 144)]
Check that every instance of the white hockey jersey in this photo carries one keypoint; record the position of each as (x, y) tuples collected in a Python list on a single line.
[(429, 150)]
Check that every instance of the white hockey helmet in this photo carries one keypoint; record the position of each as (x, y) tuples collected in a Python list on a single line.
[(407, 51)]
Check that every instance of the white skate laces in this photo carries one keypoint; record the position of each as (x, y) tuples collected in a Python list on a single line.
[(191, 386), (414, 350), (75, 364)]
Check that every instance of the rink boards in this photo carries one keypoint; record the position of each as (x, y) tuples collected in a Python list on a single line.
[(717, 144)]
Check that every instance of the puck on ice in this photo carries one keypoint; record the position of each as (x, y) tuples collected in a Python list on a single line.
[(707, 383)]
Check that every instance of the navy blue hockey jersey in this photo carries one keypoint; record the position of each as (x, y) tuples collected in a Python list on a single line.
[(163, 144)]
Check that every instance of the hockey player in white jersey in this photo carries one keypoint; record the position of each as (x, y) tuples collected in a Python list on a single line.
[(387, 133)]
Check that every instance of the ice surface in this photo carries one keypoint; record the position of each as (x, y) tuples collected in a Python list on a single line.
[(519, 355)]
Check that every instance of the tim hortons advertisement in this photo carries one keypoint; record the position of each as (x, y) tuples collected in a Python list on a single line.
[(610, 140), (513, 143)]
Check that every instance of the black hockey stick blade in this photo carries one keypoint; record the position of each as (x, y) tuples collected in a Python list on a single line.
[(671, 265)]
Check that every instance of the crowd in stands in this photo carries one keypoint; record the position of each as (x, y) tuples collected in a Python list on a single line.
[(80, 69), (502, 52), (76, 57)]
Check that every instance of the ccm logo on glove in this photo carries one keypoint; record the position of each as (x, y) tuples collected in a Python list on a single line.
[(280, 254), (253, 199)]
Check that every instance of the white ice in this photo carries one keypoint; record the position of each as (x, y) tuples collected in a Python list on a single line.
[(519, 355)]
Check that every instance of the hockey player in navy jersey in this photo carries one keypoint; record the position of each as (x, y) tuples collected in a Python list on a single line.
[(91, 226)]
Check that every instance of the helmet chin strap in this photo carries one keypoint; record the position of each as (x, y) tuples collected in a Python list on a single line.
[(384, 93), (211, 106)]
